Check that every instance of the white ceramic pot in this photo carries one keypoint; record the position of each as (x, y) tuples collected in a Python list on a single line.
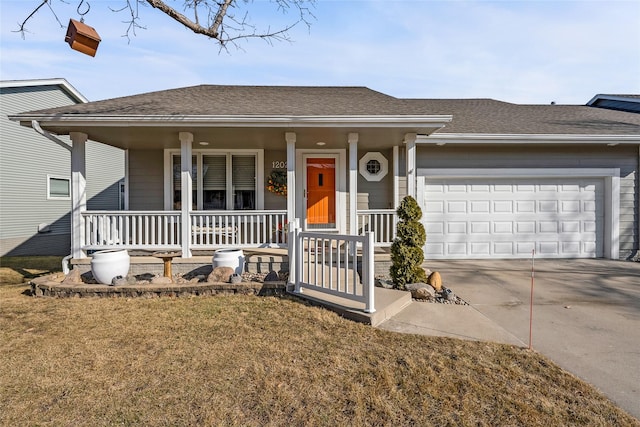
[(107, 264), (233, 258)]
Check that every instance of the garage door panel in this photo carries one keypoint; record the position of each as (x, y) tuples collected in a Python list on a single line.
[(434, 228), (457, 227), (548, 206), (508, 218), (480, 206), (525, 227), (571, 206), (480, 248), (503, 227), (548, 227), (548, 249), (480, 227), (570, 226), (456, 249), (525, 206), (503, 248), (456, 207), (503, 206)]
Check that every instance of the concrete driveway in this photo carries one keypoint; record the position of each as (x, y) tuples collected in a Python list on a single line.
[(586, 315)]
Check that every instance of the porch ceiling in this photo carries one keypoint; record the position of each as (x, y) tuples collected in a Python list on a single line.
[(372, 136)]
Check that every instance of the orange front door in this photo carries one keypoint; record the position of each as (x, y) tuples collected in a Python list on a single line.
[(321, 192)]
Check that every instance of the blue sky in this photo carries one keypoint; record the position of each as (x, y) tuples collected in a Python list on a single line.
[(515, 51)]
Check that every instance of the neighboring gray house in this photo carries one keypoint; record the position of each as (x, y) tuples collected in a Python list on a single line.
[(35, 190), (630, 103), (208, 167)]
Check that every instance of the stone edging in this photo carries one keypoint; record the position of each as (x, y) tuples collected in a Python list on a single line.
[(44, 287)]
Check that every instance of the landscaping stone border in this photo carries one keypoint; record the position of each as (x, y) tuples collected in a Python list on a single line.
[(45, 287)]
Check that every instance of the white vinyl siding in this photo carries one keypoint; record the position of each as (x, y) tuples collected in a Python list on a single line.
[(27, 159)]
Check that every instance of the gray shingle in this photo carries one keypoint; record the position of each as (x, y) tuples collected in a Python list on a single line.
[(481, 116)]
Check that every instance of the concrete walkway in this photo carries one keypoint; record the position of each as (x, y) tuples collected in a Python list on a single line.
[(586, 315)]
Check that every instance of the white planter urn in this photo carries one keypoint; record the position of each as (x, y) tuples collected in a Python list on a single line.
[(110, 263), (233, 258)]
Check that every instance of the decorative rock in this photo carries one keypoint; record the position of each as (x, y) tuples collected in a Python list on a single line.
[(448, 295), (220, 275), (435, 281), (283, 275), (161, 280), (427, 293), (415, 286), (235, 278), (272, 277), (427, 272), (384, 283), (119, 281), (416, 290), (73, 277)]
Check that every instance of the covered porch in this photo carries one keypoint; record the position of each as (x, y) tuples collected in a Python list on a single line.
[(201, 163)]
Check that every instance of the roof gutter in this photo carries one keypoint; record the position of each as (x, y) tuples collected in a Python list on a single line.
[(36, 126), (436, 121), (469, 138)]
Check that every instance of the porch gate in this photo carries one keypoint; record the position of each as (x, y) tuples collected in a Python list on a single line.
[(328, 264)]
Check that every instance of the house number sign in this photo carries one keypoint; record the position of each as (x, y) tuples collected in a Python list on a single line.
[(279, 164)]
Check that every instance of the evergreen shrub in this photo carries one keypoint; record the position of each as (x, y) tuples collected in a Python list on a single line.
[(406, 251)]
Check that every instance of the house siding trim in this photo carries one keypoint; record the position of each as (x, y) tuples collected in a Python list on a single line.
[(469, 138), (611, 178)]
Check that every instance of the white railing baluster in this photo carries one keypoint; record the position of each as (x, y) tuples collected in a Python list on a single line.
[(381, 222), (155, 230), (341, 279)]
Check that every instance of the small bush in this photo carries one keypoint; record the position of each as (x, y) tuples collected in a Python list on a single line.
[(406, 251)]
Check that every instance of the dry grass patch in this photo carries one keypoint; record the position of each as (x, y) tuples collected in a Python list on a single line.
[(246, 360), (14, 270)]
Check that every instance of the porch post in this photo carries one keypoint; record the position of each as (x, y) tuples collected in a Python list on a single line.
[(353, 183), (396, 176), (410, 140), (186, 141), (78, 192), (290, 137)]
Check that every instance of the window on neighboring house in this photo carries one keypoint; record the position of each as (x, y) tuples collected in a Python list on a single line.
[(228, 181), (58, 188)]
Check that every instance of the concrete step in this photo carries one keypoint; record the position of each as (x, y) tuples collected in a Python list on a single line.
[(388, 303)]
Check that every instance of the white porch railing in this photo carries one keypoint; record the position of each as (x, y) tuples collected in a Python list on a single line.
[(382, 222), (131, 229), (155, 230), (327, 263), (238, 228)]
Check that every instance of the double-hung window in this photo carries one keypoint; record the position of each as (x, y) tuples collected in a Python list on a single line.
[(221, 180)]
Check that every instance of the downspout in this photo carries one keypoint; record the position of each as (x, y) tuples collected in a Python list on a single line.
[(36, 126)]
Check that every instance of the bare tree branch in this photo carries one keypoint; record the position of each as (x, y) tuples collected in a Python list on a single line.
[(226, 21)]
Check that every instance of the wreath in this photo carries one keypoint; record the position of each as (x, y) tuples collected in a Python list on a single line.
[(277, 182)]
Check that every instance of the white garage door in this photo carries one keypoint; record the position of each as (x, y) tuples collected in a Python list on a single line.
[(508, 218)]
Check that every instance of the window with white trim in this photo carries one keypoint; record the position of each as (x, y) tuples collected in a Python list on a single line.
[(58, 188), (220, 180)]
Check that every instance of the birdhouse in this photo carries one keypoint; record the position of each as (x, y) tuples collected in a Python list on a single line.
[(82, 37)]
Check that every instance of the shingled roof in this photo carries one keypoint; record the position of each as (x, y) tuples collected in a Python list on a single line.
[(476, 116)]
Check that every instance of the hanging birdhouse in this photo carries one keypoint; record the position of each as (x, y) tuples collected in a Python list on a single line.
[(82, 37)]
